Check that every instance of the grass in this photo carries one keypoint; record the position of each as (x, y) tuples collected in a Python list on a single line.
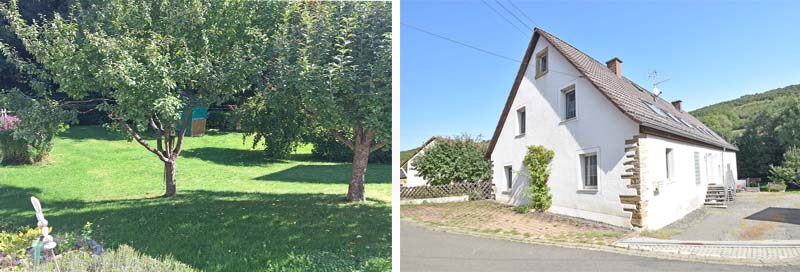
[(235, 210), (664, 233)]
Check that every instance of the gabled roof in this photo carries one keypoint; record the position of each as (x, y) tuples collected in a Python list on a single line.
[(622, 92), (434, 138)]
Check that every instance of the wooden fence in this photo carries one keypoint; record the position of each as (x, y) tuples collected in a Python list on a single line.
[(475, 191)]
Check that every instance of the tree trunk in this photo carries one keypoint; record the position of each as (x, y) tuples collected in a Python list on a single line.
[(361, 151), (169, 178)]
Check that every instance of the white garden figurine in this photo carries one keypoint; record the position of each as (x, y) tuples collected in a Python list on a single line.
[(47, 238)]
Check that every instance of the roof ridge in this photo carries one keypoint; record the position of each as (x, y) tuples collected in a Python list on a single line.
[(624, 96)]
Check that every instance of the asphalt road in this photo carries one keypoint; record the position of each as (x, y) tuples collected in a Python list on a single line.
[(425, 250)]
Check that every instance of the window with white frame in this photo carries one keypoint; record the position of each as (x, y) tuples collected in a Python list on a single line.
[(521, 121), (669, 163), (589, 171), (697, 167), (509, 177), (569, 102)]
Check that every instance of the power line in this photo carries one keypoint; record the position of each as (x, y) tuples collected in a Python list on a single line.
[(504, 18), (459, 43), (512, 14), (477, 48), (521, 12)]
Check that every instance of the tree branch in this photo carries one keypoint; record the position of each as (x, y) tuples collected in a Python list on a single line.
[(159, 135), (137, 137), (187, 118), (339, 137), (377, 146)]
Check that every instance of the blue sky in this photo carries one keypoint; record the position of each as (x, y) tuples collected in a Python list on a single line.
[(712, 51)]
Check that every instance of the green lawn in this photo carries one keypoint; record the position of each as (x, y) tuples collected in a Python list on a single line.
[(235, 209)]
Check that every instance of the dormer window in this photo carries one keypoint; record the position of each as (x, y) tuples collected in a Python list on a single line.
[(541, 63)]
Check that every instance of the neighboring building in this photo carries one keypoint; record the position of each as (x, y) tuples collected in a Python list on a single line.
[(412, 179), (623, 155)]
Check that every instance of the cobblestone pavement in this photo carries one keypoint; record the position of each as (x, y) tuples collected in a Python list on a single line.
[(766, 251), (494, 218)]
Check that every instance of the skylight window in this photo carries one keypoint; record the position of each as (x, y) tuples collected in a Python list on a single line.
[(654, 108), (685, 123), (672, 117)]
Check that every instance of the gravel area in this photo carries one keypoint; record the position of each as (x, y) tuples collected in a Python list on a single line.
[(492, 217), (752, 216)]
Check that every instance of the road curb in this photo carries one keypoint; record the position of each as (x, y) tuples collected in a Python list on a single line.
[(620, 249)]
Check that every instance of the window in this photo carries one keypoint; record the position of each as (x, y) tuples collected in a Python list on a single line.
[(654, 108), (697, 167), (685, 123), (541, 63), (670, 163), (589, 171), (569, 103), (521, 120), (672, 117), (509, 177)]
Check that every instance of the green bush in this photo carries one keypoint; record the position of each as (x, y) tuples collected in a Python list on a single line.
[(522, 209), (326, 148), (31, 138), (537, 161), (776, 187), (459, 159), (123, 258), (789, 171)]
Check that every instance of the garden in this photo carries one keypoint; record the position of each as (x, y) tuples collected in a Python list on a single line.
[(103, 122), (236, 209)]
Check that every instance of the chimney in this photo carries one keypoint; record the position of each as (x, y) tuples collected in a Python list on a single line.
[(677, 104), (615, 65)]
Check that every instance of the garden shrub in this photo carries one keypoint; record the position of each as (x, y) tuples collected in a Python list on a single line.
[(28, 134), (537, 161), (789, 171), (123, 258), (327, 148), (458, 159), (776, 187)]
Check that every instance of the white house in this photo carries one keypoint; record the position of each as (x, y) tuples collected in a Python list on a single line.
[(623, 155), (412, 177)]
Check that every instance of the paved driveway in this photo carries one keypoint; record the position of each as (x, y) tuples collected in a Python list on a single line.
[(752, 216), (425, 250)]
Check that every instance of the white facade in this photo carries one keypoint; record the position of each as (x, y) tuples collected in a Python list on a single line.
[(670, 199), (412, 176), (599, 128)]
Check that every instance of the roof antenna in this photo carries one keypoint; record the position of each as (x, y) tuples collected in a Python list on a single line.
[(653, 76)]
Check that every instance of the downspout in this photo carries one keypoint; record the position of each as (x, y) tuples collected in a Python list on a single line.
[(722, 171)]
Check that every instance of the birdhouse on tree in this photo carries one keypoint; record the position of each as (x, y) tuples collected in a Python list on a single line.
[(197, 126)]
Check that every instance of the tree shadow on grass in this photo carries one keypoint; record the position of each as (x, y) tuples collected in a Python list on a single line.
[(91, 133), (229, 156), (330, 173), (233, 231)]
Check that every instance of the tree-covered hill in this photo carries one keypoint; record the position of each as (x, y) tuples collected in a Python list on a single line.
[(731, 118)]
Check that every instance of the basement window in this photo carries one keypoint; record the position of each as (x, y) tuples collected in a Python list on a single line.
[(541, 63)]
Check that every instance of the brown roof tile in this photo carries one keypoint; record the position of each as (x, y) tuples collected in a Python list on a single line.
[(625, 94)]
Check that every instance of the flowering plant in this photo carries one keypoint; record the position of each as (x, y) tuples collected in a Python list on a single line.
[(8, 122)]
